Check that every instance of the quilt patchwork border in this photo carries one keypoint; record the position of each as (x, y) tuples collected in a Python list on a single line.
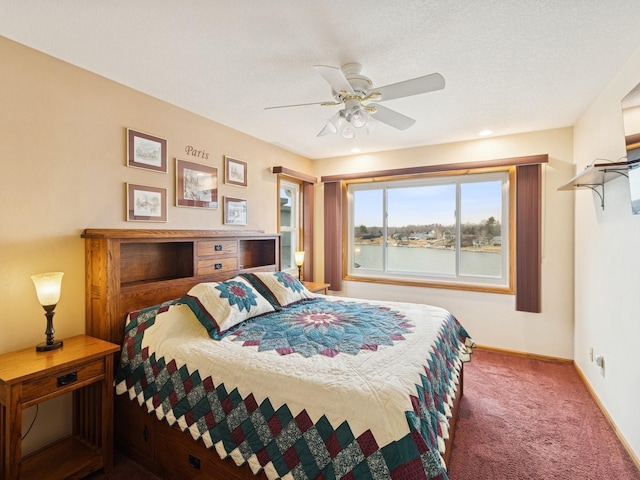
[(287, 445)]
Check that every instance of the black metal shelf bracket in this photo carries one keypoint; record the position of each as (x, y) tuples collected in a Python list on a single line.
[(594, 187)]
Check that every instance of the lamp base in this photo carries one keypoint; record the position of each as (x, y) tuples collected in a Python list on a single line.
[(45, 347)]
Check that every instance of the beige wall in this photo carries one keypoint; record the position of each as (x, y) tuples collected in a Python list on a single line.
[(607, 301), (62, 151), (491, 318)]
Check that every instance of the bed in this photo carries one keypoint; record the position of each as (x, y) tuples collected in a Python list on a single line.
[(231, 368)]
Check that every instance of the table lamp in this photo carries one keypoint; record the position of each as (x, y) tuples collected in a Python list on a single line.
[(299, 258), (48, 287)]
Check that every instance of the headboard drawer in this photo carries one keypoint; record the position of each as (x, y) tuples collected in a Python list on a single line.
[(208, 266), (225, 248)]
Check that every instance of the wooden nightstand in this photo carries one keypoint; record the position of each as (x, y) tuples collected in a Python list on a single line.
[(84, 366), (317, 287)]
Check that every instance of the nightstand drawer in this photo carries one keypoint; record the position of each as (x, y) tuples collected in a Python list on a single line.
[(65, 380)]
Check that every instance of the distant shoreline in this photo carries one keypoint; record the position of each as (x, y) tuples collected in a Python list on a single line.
[(423, 243)]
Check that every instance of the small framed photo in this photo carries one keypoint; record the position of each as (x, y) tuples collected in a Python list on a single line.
[(235, 211), (235, 172), (146, 151), (196, 185), (146, 204)]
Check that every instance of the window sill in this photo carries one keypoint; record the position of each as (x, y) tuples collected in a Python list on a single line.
[(430, 284)]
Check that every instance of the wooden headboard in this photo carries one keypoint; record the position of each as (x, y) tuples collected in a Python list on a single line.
[(128, 270)]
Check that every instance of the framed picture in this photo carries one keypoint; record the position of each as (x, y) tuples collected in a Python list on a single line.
[(146, 151), (235, 211), (146, 204), (235, 172), (196, 185)]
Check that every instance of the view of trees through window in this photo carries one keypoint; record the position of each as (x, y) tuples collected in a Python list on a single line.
[(290, 223), (450, 227)]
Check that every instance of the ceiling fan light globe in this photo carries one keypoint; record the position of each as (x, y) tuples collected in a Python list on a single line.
[(359, 117), (347, 131), (371, 125), (331, 126), (335, 123)]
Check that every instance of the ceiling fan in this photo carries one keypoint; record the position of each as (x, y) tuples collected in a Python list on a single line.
[(355, 91)]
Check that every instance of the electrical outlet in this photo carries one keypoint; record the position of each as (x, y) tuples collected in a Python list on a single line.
[(591, 354), (600, 363)]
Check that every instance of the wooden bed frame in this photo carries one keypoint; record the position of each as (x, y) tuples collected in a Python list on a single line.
[(128, 270)]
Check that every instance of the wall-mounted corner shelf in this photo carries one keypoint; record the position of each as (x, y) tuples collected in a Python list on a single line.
[(595, 176)]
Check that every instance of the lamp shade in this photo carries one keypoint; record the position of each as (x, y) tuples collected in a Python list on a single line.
[(48, 287), (299, 257)]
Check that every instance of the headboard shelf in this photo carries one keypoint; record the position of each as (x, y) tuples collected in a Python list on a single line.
[(149, 261), (131, 269), (255, 253)]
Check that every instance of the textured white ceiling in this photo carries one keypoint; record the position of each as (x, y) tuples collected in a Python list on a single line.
[(509, 66)]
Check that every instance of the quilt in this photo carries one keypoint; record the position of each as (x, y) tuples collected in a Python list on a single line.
[(325, 388)]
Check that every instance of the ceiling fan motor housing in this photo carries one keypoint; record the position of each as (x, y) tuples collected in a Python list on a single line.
[(360, 83)]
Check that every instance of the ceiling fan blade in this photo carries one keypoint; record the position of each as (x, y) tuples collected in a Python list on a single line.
[(335, 78), (392, 118), (329, 103), (416, 86)]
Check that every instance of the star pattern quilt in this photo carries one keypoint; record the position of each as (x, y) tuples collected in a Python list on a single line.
[(325, 388)]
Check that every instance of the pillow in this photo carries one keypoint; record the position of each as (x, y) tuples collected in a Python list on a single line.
[(220, 306), (279, 288)]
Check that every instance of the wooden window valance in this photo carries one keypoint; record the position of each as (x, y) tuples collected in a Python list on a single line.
[(293, 174)]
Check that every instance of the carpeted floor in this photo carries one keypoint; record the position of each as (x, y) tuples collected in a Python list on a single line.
[(520, 419), (523, 419)]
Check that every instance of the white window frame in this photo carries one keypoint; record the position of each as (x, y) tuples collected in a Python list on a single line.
[(502, 284), (296, 222)]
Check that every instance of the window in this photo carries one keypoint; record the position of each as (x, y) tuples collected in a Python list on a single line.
[(295, 217), (444, 229), (290, 224)]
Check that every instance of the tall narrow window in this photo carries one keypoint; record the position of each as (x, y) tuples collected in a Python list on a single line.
[(290, 223), (481, 211), (368, 252)]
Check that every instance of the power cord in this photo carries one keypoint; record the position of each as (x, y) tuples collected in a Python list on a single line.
[(32, 422)]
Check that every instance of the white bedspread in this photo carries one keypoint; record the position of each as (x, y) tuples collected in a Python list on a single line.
[(344, 388), (371, 390)]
